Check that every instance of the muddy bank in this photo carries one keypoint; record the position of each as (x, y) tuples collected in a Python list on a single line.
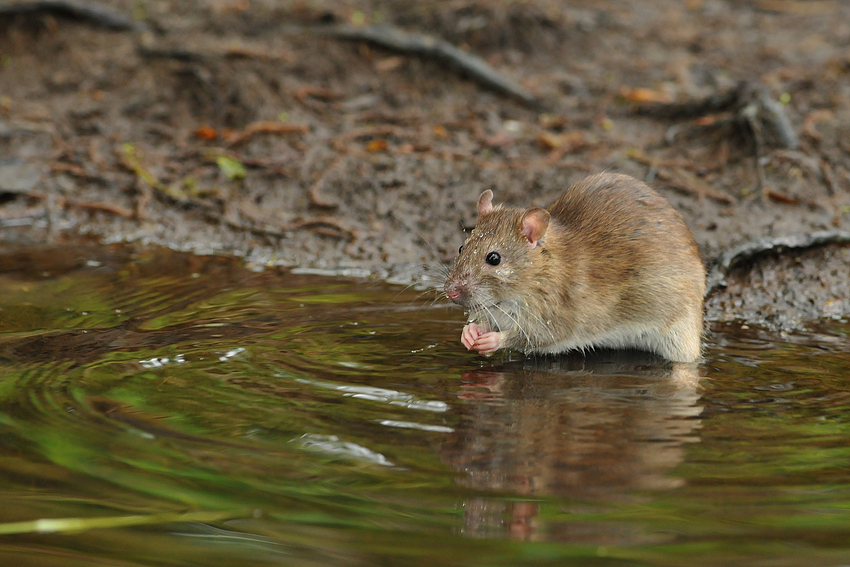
[(245, 128)]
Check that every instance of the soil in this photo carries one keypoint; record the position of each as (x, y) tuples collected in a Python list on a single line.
[(245, 127)]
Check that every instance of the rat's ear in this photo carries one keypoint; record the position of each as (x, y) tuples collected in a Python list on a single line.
[(485, 202), (535, 223)]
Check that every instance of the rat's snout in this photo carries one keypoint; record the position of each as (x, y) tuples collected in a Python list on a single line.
[(456, 290)]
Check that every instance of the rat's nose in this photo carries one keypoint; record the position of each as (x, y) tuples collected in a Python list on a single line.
[(455, 290)]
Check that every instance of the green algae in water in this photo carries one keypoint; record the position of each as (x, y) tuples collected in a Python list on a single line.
[(157, 408)]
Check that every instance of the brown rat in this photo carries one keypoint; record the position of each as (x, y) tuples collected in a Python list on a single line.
[(609, 264)]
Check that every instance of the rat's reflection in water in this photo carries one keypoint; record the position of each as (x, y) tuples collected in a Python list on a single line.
[(600, 427)]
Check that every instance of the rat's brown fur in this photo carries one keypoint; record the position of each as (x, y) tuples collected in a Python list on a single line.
[(612, 264)]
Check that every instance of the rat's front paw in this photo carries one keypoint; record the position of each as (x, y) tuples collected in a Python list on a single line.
[(470, 334), (488, 343)]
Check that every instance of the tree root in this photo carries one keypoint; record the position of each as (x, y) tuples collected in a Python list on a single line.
[(90, 12), (420, 44), (741, 253)]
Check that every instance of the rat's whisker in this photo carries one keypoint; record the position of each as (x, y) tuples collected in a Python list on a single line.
[(518, 326), (542, 323), (496, 323)]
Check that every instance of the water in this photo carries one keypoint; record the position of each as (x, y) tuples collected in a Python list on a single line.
[(163, 409)]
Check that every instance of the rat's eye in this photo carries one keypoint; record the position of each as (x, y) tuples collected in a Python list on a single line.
[(459, 250), (493, 258)]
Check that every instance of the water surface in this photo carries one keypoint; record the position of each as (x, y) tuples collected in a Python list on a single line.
[(165, 409)]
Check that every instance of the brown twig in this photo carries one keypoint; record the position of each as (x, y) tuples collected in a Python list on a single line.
[(274, 167), (144, 199), (85, 205), (315, 199), (265, 127), (305, 92), (642, 157), (323, 226), (74, 170), (176, 53), (829, 177), (371, 132), (318, 226), (687, 182), (245, 51), (779, 197), (811, 121), (326, 227)]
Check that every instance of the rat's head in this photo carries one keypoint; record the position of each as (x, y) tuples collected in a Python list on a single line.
[(499, 254)]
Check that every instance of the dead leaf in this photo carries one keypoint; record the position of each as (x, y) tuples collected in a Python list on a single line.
[(441, 132), (644, 95), (710, 119), (206, 133), (779, 197), (321, 93), (377, 145), (389, 64), (569, 141)]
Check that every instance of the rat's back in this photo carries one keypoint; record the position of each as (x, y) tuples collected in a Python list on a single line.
[(641, 252)]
